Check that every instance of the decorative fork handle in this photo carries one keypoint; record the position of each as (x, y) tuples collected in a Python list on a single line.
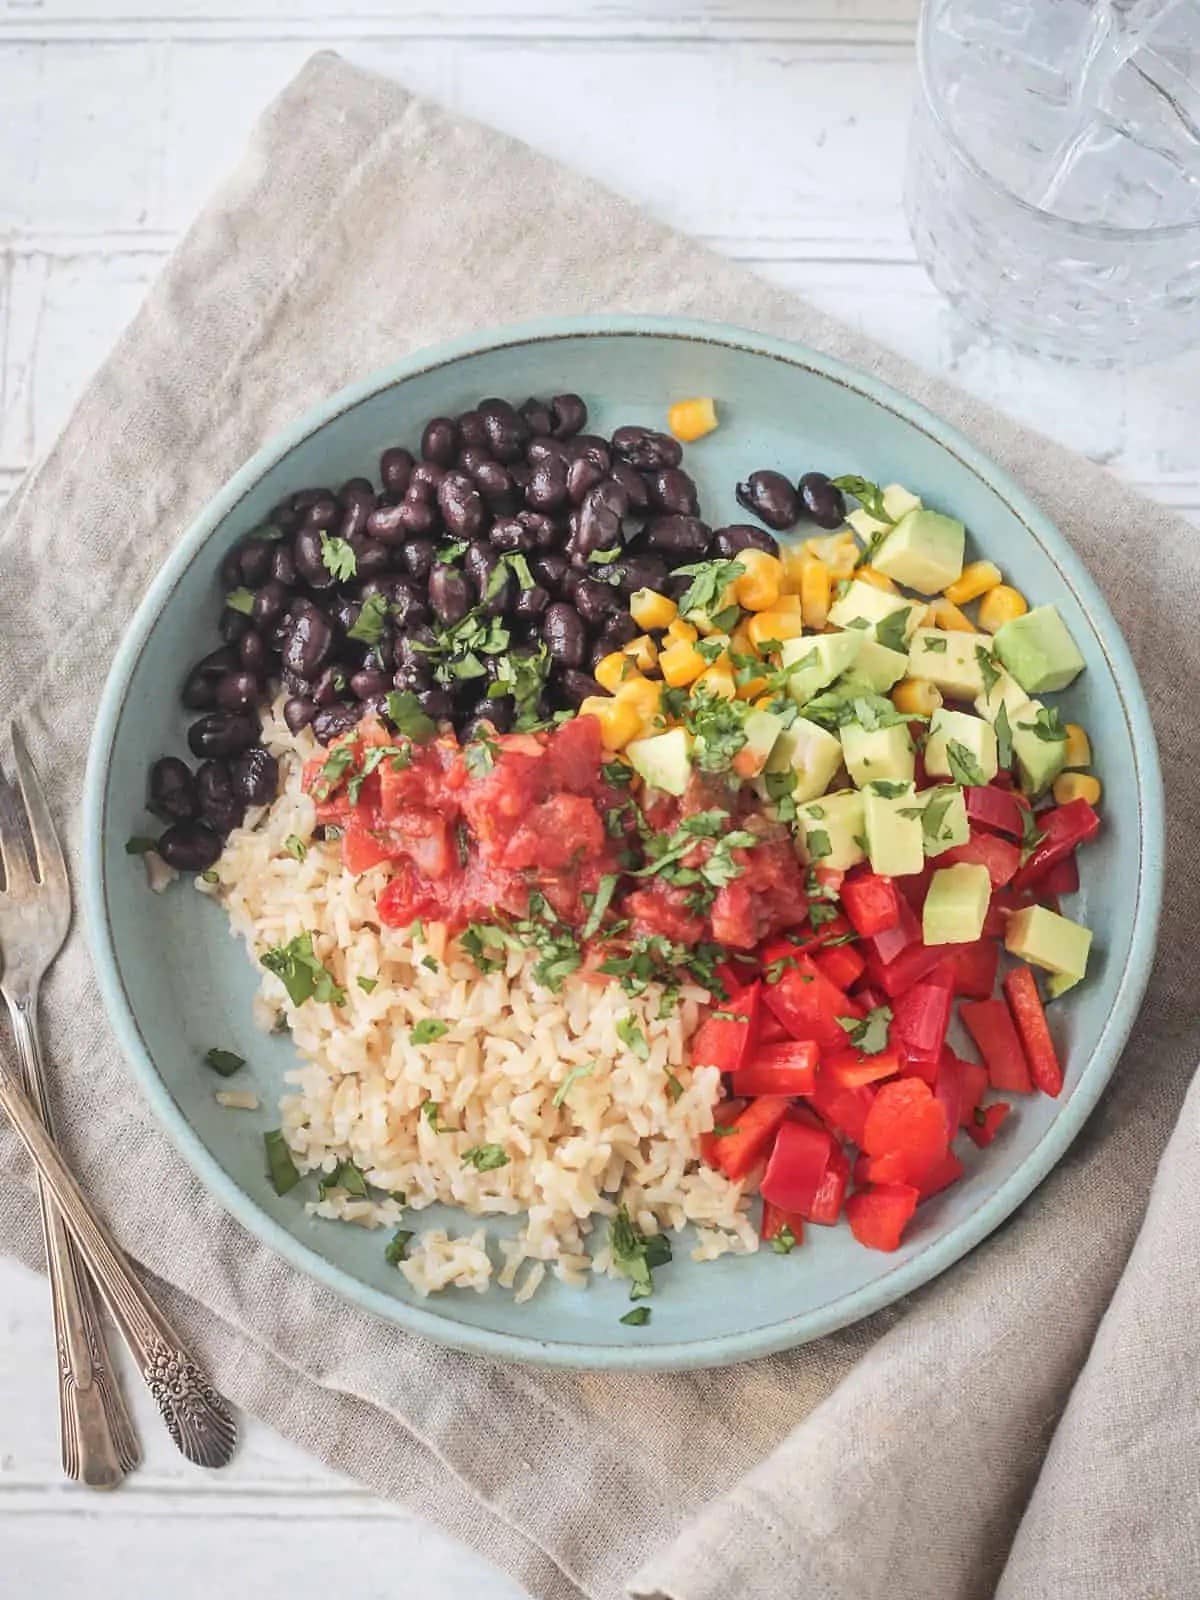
[(196, 1416), (98, 1442)]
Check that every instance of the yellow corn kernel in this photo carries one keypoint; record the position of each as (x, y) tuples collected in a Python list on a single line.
[(718, 680), (1079, 746), (792, 558), (643, 695), (877, 580), (692, 419), (752, 689), (642, 651), (839, 552), (1001, 605), (816, 586), (649, 609), (945, 614), (789, 604), (740, 640), (681, 663), (1070, 786), (916, 698), (680, 632), (765, 625), (610, 669), (619, 721), (758, 587), (976, 578)]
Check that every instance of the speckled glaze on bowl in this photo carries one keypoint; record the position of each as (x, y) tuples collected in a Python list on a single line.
[(175, 982)]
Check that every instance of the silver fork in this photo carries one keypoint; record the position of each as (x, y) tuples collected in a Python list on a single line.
[(98, 1441)]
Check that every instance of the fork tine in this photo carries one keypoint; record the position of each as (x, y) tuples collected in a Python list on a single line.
[(52, 867), (18, 879)]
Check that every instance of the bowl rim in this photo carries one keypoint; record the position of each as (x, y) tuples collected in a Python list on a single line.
[(943, 1249)]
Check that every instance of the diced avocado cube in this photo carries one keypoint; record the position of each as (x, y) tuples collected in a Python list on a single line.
[(762, 729), (897, 501), (892, 828), (1006, 692), (1044, 939), (813, 754), (877, 668), (1039, 760), (1058, 983), (944, 823), (924, 551), (961, 747), (868, 609), (664, 760), (1039, 651), (832, 830), (956, 905), (882, 753), (947, 660), (818, 660)]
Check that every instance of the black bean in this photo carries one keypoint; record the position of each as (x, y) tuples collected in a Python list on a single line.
[(461, 505), (572, 578), (633, 484), (439, 442), (436, 702), (472, 431), (521, 474), (738, 536), (645, 449), (594, 601), (425, 482), (395, 469), (619, 630), (233, 625), (823, 502), (415, 647), (538, 417), (371, 556), (304, 498), (413, 676), (293, 685), (684, 538), (546, 532), (330, 685), (493, 481), (199, 691), (639, 572), (308, 644), (388, 523), (283, 566), (238, 691), (500, 711), (450, 594), (286, 518), (549, 570), (564, 633), (308, 552), (506, 533), (369, 681), (254, 561), (583, 474), (358, 502), (298, 712), (671, 489), (322, 513), (548, 486), (189, 847), (569, 413), (256, 776), (417, 557), (479, 562), (410, 605), (172, 790), (599, 526), (531, 603), (216, 801), (578, 686), (269, 603), (771, 498), (539, 450), (231, 568), (222, 733), (332, 722), (506, 431)]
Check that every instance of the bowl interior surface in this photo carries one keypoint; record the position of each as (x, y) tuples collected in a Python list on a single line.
[(176, 982)]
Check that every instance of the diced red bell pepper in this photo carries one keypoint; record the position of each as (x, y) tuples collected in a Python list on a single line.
[(1020, 987), (920, 1019), (914, 886), (809, 1005), (829, 879), (1063, 828), (774, 1220), (1063, 877), (993, 809), (879, 1215), (925, 1067), (726, 1040), (975, 967), (786, 1068), (796, 1166), (842, 964), (943, 975), (906, 1117), (795, 940), (948, 1087), (738, 972), (826, 1205), (898, 1167), (985, 1122), (736, 1153), (725, 1114), (1004, 902), (362, 849), (892, 942), (770, 1029), (974, 1087), (850, 1068), (868, 998), (940, 1175), (1000, 856), (845, 1110), (871, 903), (908, 968), (990, 1024)]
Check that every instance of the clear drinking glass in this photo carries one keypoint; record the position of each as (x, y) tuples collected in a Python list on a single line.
[(1053, 178)]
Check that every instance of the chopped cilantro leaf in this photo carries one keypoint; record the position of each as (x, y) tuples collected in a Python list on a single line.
[(637, 1318), (888, 789), (301, 974), (987, 668), (585, 1070), (816, 842), (397, 1247), (868, 1034), (240, 600), (636, 1254), (139, 845), (935, 646), (631, 1035), (295, 846), (963, 766), (224, 1061), (427, 1030), (338, 558), (1047, 725), (784, 1241), (600, 904), (485, 1157), (710, 579), (281, 1169), (368, 628), (403, 708), (367, 985), (891, 631)]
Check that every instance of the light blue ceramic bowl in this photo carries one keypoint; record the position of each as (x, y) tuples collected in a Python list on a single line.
[(175, 983)]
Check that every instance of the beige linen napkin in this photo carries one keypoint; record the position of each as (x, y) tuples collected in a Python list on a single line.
[(919, 1454)]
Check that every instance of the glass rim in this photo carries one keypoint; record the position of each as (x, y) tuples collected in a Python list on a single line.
[(1099, 231)]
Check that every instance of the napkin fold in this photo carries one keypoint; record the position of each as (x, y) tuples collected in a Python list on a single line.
[(1026, 1426)]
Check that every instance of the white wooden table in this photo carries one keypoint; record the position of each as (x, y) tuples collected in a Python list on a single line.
[(775, 132)]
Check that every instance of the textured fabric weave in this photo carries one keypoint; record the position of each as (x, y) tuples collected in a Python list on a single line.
[(1027, 1425)]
